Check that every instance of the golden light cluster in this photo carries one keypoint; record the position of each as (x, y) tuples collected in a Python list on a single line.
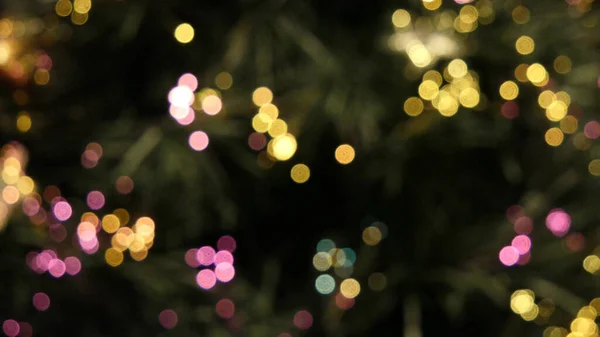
[(15, 184), (522, 302), (78, 10), (138, 239), (283, 144), (461, 89)]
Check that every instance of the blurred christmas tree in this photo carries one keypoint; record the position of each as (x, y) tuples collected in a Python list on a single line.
[(299, 168)]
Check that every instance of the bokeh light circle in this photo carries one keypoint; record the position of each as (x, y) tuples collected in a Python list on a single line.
[(224, 272), (95, 200), (168, 318), (62, 211), (11, 328), (206, 255), (227, 243), (198, 140), (225, 308), (303, 320), (325, 284), (206, 279), (509, 256)]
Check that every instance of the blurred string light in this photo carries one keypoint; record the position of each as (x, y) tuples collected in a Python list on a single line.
[(15, 185), (184, 33), (206, 256)]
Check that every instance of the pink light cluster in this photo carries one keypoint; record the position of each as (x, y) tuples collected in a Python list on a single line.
[(181, 98), (206, 256), (86, 234), (519, 251), (48, 261)]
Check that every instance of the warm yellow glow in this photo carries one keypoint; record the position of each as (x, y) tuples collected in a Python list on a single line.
[(595, 303), (350, 288), (41, 77), (531, 314), (432, 4), (469, 14), (457, 68), (224, 80), (413, 106), (344, 154), (401, 18), (322, 261), (10, 195), (546, 98), (428, 90), (63, 8), (536, 73), (556, 111), (554, 137), (434, 76), (4, 52), (110, 223), (584, 327), (525, 45), (82, 6), (371, 235), (270, 110), (418, 54), (25, 185), (284, 147), (591, 264), (520, 14), (569, 124), (521, 72), (521, 301), (123, 216), (447, 104), (563, 97), (23, 122), (469, 98), (261, 122), (262, 96), (509, 90), (278, 127), (184, 33), (140, 255), (588, 312), (562, 64), (79, 18), (113, 257), (300, 173)]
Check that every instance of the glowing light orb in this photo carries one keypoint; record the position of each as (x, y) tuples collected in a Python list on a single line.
[(206, 255), (206, 279), (558, 222), (41, 301), (227, 243), (181, 97), (522, 243), (72, 265), (62, 211), (225, 308), (509, 256), (11, 328), (168, 318), (212, 105), (224, 272), (325, 284), (56, 268), (523, 225), (223, 256), (350, 288), (303, 320), (190, 258), (189, 81), (198, 140), (284, 147)]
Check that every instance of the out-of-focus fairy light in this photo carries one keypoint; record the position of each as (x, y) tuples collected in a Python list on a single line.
[(224, 272), (522, 243), (63, 8), (428, 90), (270, 110), (509, 90), (523, 225), (261, 122), (520, 14), (188, 80), (181, 97), (418, 54), (277, 128), (212, 105), (594, 167), (262, 96), (168, 318), (413, 106), (432, 4), (592, 129), (124, 185), (350, 288), (536, 73), (556, 111), (184, 33), (206, 255), (72, 265), (522, 301), (79, 18), (575, 242), (583, 327), (325, 284), (569, 125), (56, 268), (25, 185), (95, 200), (62, 211), (344, 303), (82, 6), (562, 64), (457, 68), (509, 256), (225, 308), (223, 256), (113, 257), (401, 18), (41, 301), (554, 137), (227, 243), (303, 320), (23, 122), (325, 245), (468, 14), (10, 194), (591, 264), (521, 72), (41, 77), (284, 147), (206, 279), (190, 258), (344, 154), (11, 328), (257, 141), (322, 261), (546, 98), (198, 140), (188, 118), (30, 206), (525, 45), (57, 232), (223, 80), (371, 235), (25, 329), (110, 223), (300, 173), (558, 222), (469, 98)]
